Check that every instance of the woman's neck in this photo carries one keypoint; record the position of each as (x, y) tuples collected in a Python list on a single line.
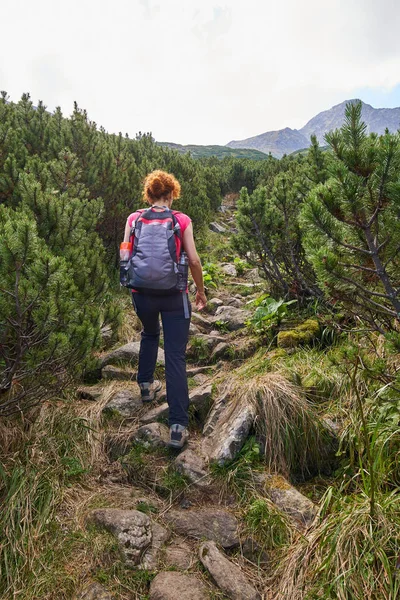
[(161, 204)]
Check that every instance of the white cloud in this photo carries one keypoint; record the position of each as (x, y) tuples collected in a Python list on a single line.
[(198, 71)]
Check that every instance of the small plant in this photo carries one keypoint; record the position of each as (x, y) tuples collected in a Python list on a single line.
[(222, 326), (266, 523), (268, 312), (198, 349), (146, 507), (211, 275), (240, 265)]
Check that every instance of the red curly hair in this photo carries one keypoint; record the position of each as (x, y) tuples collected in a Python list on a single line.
[(158, 184)]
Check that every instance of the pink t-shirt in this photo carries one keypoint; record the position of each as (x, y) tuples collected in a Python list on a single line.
[(183, 220)]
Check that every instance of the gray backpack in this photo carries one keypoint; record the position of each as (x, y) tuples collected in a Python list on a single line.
[(155, 266)]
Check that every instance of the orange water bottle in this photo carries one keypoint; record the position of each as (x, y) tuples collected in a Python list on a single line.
[(125, 251)]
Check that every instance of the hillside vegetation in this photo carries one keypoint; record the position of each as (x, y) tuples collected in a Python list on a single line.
[(289, 486)]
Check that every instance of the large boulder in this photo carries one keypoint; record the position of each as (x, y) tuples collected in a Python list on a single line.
[(208, 523), (229, 432), (233, 318), (131, 528), (170, 585), (128, 353), (228, 576)]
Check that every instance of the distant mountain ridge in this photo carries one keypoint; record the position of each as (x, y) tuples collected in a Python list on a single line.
[(286, 141), (219, 151)]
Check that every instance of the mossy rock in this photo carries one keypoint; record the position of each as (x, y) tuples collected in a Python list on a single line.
[(302, 335)]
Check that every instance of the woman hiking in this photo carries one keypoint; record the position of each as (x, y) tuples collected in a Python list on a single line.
[(154, 273)]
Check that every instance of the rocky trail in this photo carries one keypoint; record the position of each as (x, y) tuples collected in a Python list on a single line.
[(172, 514)]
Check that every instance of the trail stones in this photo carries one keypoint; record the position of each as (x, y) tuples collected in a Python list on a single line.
[(94, 591), (125, 403), (171, 585), (229, 433), (228, 576), (153, 434), (205, 523), (287, 498), (193, 466), (159, 538), (179, 555), (217, 228), (229, 269), (201, 321), (128, 353), (221, 350), (158, 412), (214, 303), (198, 398), (131, 528), (114, 373), (234, 318)]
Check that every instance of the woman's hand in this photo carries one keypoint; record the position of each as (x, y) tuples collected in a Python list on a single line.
[(201, 300)]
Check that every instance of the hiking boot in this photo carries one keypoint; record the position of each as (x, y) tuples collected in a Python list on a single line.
[(148, 391), (178, 435)]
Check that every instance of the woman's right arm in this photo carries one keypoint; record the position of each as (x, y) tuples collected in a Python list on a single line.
[(195, 266)]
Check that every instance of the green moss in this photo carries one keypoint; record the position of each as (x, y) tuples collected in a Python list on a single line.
[(301, 335)]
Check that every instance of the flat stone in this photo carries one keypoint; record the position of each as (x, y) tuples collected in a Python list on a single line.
[(214, 303), (128, 353), (201, 378), (94, 591), (190, 371), (193, 466), (151, 557), (132, 529), (227, 576), (154, 435), (234, 318), (171, 585), (125, 403), (217, 228), (179, 555), (90, 392), (197, 398), (229, 433), (229, 269), (288, 499), (208, 523), (115, 373), (234, 302), (201, 322)]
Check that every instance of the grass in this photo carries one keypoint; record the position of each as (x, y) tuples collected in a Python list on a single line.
[(347, 555)]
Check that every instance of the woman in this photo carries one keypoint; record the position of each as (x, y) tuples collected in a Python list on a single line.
[(160, 190)]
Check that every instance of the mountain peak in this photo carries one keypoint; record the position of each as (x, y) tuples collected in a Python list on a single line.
[(287, 140)]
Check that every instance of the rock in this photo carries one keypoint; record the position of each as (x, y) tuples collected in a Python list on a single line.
[(125, 403), (301, 335), (106, 334), (215, 413), (235, 302), (193, 330), (154, 435), (229, 433), (207, 523), (171, 585), (128, 353), (221, 350), (217, 228), (131, 528), (158, 412), (233, 317), (117, 445), (115, 373), (198, 398), (94, 591), (201, 321), (179, 555), (287, 498), (228, 576), (229, 269), (90, 392), (201, 378), (151, 557), (214, 303), (253, 276), (190, 371), (193, 466)]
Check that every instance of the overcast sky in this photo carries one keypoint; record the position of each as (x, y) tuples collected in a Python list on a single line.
[(201, 71)]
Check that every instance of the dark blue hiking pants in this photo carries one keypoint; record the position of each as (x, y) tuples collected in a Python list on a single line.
[(176, 332)]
